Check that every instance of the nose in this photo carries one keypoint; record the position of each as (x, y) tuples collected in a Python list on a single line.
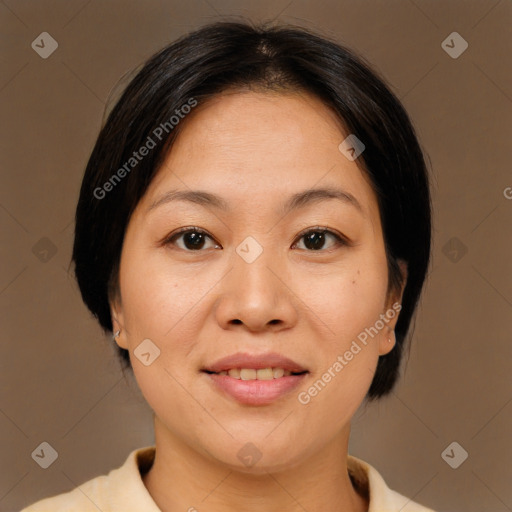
[(256, 296)]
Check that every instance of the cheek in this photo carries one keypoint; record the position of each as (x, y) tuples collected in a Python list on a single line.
[(160, 299), (347, 299), (349, 303), (158, 304)]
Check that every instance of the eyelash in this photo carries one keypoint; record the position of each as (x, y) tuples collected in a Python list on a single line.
[(340, 240)]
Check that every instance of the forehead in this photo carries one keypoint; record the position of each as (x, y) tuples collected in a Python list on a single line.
[(281, 127), (248, 145)]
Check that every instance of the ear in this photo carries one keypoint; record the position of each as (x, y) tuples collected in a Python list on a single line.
[(116, 313), (393, 306)]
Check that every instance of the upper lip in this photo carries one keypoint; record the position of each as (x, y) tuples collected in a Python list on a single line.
[(257, 362)]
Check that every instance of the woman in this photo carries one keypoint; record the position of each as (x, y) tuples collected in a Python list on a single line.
[(254, 226)]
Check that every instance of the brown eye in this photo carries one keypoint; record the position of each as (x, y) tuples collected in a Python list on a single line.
[(316, 239), (192, 239)]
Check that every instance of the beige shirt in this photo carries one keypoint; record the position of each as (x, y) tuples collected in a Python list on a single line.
[(123, 490)]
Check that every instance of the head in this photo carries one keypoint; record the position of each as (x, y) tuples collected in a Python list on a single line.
[(252, 118)]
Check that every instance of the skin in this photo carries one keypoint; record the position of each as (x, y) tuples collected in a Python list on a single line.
[(254, 149)]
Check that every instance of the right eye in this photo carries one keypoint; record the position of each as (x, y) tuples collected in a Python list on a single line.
[(192, 239)]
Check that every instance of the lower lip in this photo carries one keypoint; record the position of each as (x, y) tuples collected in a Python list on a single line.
[(256, 392)]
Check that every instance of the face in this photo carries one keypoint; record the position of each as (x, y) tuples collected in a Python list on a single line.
[(256, 274)]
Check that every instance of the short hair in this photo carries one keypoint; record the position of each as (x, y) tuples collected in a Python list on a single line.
[(229, 56)]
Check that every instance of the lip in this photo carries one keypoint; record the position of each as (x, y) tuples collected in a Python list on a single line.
[(257, 362), (255, 392)]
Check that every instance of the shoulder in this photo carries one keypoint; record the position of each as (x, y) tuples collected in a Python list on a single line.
[(122, 489), (87, 497), (381, 497)]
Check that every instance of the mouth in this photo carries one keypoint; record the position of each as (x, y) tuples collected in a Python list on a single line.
[(256, 374), (255, 380)]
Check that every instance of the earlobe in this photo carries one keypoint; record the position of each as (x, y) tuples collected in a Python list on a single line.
[(387, 342), (119, 333), (119, 336)]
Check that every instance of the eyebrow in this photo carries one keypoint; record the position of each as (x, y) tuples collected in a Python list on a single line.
[(296, 201)]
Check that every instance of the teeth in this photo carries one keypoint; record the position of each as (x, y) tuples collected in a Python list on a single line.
[(246, 374), (235, 373), (252, 374), (278, 372), (265, 374)]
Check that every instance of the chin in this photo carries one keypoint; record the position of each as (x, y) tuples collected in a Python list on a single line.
[(257, 457)]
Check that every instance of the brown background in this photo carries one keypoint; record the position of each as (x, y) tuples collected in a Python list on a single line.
[(60, 380)]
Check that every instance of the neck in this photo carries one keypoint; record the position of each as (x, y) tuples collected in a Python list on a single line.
[(183, 479)]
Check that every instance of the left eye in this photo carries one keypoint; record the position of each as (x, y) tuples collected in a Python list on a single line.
[(314, 239)]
